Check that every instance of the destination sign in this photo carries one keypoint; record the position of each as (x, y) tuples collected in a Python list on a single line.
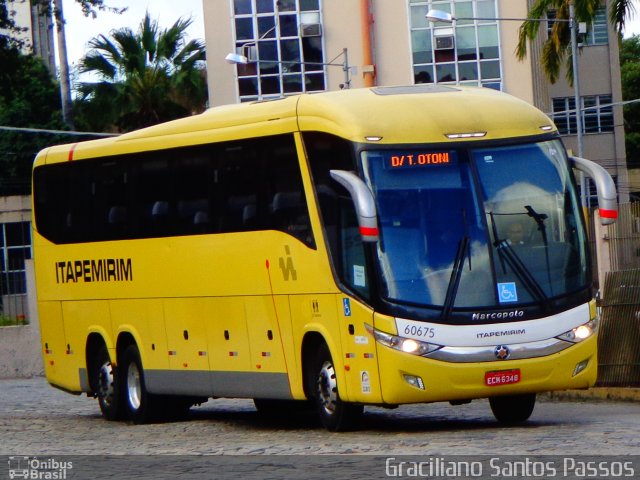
[(418, 159)]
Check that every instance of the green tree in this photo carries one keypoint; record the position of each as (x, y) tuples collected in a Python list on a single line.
[(556, 49), (630, 75), (8, 28), (7, 22), (29, 98), (144, 77)]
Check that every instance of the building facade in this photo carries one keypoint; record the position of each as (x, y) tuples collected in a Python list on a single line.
[(15, 210), (390, 42), (38, 31)]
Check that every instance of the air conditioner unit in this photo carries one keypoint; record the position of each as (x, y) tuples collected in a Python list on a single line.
[(249, 51), (311, 30), (444, 42)]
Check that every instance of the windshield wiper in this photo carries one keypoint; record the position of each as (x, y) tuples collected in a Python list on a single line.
[(456, 274), (539, 219), (462, 253), (542, 228), (508, 255)]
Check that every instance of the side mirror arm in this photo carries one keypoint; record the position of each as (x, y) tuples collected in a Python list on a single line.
[(363, 201), (606, 188)]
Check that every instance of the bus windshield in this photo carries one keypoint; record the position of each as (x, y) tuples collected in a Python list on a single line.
[(490, 227)]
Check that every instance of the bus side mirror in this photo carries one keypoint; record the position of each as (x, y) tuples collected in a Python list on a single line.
[(363, 202), (606, 188)]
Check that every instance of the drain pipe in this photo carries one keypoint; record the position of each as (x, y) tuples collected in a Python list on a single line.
[(366, 22)]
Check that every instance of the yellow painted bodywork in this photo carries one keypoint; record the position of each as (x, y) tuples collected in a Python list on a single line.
[(465, 381), (244, 302)]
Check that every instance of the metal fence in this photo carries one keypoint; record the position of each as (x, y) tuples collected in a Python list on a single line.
[(624, 238), (15, 248), (619, 341), (14, 300)]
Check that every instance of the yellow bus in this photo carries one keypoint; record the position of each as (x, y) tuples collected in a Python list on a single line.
[(338, 250)]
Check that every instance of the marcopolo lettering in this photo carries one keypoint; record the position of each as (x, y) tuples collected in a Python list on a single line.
[(87, 271), (498, 315)]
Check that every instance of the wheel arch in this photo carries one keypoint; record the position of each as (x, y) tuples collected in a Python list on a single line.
[(311, 342), (125, 339), (95, 341)]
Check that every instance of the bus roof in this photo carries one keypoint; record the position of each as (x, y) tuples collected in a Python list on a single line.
[(384, 115)]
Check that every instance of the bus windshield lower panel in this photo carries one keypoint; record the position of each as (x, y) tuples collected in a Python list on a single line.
[(477, 228)]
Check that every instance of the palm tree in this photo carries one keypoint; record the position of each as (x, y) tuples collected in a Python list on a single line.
[(556, 48), (145, 78)]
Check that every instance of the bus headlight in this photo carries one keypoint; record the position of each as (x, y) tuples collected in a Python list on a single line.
[(581, 332), (402, 344)]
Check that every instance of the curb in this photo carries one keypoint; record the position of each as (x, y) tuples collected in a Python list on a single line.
[(621, 394)]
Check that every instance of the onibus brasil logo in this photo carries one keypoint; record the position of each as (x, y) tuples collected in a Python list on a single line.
[(37, 469)]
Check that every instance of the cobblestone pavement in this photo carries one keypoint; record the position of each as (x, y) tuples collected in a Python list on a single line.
[(36, 419)]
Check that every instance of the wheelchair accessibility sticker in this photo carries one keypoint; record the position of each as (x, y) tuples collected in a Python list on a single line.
[(507, 292), (346, 306)]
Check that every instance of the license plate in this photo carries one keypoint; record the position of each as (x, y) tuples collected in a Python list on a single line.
[(502, 377)]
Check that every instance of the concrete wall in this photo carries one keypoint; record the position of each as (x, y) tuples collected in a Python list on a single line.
[(20, 351)]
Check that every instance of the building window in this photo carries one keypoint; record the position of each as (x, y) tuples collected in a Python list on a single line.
[(15, 248), (597, 33), (597, 114), (283, 41), (465, 53)]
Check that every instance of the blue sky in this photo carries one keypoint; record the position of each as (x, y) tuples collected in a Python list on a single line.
[(80, 29)]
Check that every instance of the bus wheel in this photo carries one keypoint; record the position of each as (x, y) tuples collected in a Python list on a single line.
[(106, 385), (141, 406), (513, 408), (335, 415)]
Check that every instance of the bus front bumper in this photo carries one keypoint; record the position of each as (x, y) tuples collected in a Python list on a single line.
[(407, 378)]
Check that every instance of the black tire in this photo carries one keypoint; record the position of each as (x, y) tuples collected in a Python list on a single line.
[(322, 385), (512, 409), (107, 386), (141, 406)]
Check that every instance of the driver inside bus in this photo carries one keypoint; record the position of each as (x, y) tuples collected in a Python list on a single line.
[(515, 233)]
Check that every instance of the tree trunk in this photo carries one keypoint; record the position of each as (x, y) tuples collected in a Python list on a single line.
[(65, 84)]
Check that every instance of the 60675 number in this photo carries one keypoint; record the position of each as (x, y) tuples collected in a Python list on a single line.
[(419, 331)]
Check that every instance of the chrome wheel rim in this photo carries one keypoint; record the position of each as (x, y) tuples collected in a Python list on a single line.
[(134, 386), (328, 388), (106, 385)]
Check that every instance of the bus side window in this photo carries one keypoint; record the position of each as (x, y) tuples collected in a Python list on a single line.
[(290, 214), (328, 203), (249, 216), (240, 213), (110, 196), (117, 215), (193, 215), (342, 233), (289, 211), (353, 255), (152, 195), (259, 187), (191, 188), (327, 152), (54, 212), (160, 214)]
